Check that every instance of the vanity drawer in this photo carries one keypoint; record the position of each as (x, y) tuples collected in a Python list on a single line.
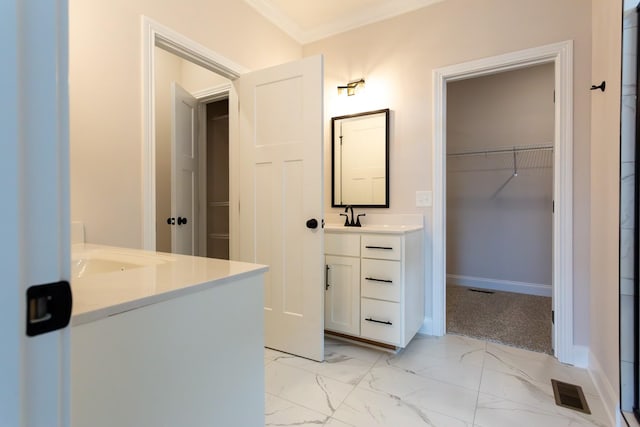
[(342, 244), (381, 279), (381, 246), (380, 320)]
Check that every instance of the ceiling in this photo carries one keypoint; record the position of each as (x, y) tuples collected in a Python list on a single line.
[(310, 20)]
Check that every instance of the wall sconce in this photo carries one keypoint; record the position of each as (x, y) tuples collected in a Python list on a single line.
[(351, 87)]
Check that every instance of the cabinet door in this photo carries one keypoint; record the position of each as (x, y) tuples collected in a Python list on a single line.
[(342, 295)]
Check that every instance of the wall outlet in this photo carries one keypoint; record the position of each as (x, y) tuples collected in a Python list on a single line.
[(424, 199)]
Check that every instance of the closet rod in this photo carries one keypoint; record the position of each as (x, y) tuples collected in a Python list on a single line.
[(502, 150)]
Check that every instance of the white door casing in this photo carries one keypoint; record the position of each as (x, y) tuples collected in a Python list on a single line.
[(280, 163), (561, 54), (34, 232), (184, 171), (155, 34)]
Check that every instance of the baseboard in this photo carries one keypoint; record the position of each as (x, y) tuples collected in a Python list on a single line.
[(427, 326), (581, 356), (605, 390), (500, 285)]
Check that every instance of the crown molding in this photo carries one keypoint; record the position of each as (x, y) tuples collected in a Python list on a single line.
[(370, 15)]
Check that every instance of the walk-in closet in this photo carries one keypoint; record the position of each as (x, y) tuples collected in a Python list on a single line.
[(499, 186)]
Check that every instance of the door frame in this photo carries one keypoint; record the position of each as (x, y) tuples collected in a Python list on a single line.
[(154, 35), (561, 55)]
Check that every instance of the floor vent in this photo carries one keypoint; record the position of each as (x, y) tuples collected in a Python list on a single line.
[(570, 396), (481, 291)]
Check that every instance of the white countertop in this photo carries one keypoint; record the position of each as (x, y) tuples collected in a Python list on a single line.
[(375, 223), (139, 278), (377, 229)]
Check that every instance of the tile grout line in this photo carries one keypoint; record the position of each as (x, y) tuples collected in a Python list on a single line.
[(484, 358), (354, 388)]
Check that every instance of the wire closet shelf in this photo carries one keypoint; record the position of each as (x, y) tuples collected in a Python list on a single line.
[(513, 158)]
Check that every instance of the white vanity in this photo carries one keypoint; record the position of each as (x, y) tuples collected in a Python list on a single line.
[(374, 288), (165, 340)]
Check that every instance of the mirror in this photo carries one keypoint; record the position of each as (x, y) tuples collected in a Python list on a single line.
[(360, 160)]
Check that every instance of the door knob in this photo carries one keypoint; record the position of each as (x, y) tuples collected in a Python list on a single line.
[(182, 220), (171, 221), (312, 223)]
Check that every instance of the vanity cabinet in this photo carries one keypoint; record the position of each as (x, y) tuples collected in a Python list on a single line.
[(378, 279), (342, 284)]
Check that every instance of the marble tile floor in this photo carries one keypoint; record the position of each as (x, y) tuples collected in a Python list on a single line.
[(448, 381)]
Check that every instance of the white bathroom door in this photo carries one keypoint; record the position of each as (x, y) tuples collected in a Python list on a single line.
[(281, 184), (34, 231), (184, 171)]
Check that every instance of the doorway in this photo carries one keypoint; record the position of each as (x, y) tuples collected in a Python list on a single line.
[(561, 55), (499, 188), (275, 162), (175, 76)]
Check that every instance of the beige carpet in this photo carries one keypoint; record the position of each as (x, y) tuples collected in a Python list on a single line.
[(514, 319)]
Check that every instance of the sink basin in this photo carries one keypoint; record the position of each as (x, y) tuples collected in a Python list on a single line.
[(86, 262), (83, 267)]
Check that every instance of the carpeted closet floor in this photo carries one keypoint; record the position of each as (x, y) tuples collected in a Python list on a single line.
[(513, 319)]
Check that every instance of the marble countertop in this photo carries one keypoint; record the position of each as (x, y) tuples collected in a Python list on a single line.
[(110, 280)]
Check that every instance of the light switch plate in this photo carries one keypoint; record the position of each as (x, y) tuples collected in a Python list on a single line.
[(424, 199)]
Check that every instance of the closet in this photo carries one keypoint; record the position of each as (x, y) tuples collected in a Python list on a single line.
[(217, 222), (500, 131)]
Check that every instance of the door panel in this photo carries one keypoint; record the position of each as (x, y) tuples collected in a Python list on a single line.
[(35, 231), (184, 171), (280, 165), (342, 296)]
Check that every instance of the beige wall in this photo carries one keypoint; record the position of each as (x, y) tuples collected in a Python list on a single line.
[(397, 57), (105, 95), (605, 175), (499, 226)]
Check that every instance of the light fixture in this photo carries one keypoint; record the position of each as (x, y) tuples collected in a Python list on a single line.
[(351, 87)]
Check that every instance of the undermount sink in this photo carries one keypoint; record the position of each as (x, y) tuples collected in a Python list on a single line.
[(86, 260), (83, 267)]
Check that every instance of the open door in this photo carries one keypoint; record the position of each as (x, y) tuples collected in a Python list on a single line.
[(184, 171), (34, 232), (281, 199)]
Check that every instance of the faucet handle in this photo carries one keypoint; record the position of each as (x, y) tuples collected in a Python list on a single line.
[(358, 219), (346, 219)]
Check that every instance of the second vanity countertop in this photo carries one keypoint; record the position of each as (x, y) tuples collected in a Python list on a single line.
[(110, 280), (376, 223), (377, 229)]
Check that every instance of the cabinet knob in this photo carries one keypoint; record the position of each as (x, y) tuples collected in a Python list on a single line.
[(312, 223)]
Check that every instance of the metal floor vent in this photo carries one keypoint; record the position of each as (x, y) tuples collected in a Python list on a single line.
[(570, 396), (481, 291)]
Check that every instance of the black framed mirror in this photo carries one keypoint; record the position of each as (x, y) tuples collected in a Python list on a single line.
[(360, 160)]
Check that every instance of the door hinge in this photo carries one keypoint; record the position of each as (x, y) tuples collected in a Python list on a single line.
[(553, 206), (553, 317)]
